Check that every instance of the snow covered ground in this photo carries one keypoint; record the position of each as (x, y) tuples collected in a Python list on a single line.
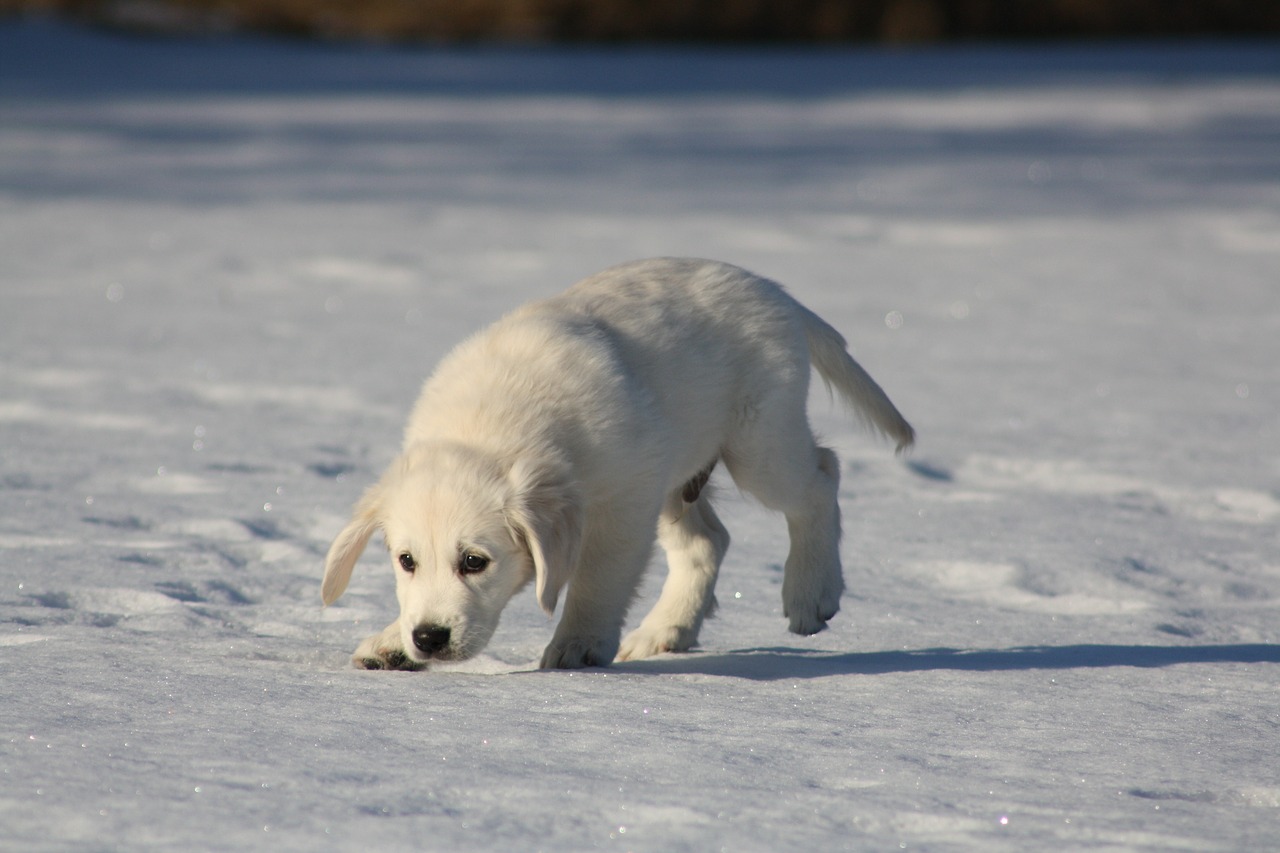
[(226, 265)]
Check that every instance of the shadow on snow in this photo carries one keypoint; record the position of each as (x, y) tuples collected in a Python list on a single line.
[(776, 664)]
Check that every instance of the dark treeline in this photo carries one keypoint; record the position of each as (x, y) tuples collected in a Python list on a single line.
[(892, 21)]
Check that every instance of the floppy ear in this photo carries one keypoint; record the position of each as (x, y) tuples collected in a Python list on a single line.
[(350, 544), (546, 512)]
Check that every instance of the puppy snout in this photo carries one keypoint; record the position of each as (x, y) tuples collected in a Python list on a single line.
[(431, 639)]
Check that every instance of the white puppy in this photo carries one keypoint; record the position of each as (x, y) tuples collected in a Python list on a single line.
[(550, 446)]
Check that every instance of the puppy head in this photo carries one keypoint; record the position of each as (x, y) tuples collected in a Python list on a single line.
[(465, 533)]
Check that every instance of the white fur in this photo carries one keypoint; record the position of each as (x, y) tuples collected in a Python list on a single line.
[(555, 442)]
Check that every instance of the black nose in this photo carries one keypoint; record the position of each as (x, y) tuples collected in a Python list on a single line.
[(430, 638)]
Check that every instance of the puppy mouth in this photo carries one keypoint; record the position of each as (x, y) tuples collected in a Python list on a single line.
[(441, 656), (448, 653)]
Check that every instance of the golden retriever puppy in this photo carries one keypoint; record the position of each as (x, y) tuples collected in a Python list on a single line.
[(551, 446)]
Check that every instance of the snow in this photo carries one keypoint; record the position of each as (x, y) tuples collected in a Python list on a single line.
[(227, 264)]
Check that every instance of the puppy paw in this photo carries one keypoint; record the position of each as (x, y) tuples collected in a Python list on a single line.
[(807, 626), (576, 654), (809, 609), (377, 652), (645, 642), (389, 659)]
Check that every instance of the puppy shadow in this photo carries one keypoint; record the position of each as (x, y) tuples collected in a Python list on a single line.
[(778, 664)]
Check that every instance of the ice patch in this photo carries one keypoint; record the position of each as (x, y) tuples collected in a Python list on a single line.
[(327, 398), (1066, 476), (1110, 110), (21, 411), (951, 235), (8, 640), (762, 239), (277, 552), (1259, 797), (365, 273), (997, 585), (938, 826), (853, 784), (111, 600), (176, 483), (1050, 475), (56, 378), (216, 529), (509, 262), (24, 540), (1248, 236), (901, 232), (1244, 505)]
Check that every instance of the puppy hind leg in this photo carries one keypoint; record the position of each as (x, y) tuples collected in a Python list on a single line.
[(695, 543), (813, 579), (802, 481)]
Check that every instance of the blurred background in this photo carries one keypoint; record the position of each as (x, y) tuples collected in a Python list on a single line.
[(885, 21)]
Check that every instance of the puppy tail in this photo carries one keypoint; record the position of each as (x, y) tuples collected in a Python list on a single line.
[(830, 356)]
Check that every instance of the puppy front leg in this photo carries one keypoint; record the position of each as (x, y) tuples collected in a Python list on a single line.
[(596, 605), (385, 650)]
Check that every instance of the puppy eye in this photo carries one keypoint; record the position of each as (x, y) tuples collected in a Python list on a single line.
[(407, 563), (472, 563)]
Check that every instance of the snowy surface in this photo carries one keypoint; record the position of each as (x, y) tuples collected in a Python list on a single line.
[(226, 266)]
